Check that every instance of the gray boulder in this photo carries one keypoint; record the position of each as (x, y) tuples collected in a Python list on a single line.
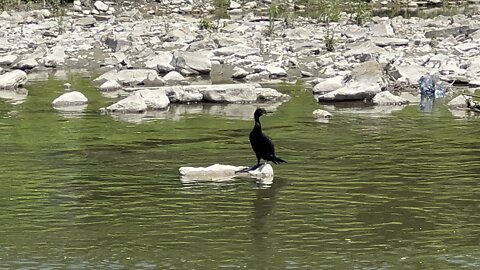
[(351, 92), (473, 70), (100, 6), (276, 71), (155, 99), (7, 60), (328, 85), (270, 95), (26, 64), (181, 94), (118, 43), (116, 58), (382, 29), (189, 63), (13, 79), (174, 76), (390, 41), (68, 99), (56, 58), (139, 76), (230, 93), (459, 102), (110, 86), (387, 98), (239, 73), (364, 51), (370, 72), (161, 62), (111, 76), (88, 21), (409, 74), (451, 31), (134, 103)]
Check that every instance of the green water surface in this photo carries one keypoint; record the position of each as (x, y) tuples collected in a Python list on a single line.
[(395, 190)]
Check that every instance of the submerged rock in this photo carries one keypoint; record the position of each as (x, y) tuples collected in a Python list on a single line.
[(14, 96), (322, 114), (270, 95)]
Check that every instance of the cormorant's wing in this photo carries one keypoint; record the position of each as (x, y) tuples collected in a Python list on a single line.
[(269, 145)]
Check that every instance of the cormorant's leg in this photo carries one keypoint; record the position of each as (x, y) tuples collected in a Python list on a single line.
[(254, 167)]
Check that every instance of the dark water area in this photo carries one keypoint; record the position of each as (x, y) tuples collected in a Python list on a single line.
[(369, 189)]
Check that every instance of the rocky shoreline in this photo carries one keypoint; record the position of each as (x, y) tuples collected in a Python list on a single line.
[(171, 51)]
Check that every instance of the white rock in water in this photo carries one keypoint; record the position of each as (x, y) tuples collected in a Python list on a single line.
[(111, 75), (230, 93), (458, 102), (270, 94), (155, 99), (263, 173), (13, 79), (134, 103), (322, 114), (355, 91), (73, 98), (216, 172), (173, 76), (110, 86)]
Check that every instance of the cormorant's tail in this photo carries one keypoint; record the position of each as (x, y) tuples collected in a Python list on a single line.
[(277, 160)]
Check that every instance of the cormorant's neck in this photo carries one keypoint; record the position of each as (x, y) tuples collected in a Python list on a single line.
[(257, 122)]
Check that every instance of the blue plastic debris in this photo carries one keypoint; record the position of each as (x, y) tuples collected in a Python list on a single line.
[(428, 86)]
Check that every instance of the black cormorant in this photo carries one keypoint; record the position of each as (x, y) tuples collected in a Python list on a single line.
[(261, 144)]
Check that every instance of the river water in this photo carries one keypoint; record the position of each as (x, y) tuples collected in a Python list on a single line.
[(367, 190)]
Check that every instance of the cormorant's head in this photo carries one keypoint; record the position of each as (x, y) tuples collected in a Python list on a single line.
[(259, 112)]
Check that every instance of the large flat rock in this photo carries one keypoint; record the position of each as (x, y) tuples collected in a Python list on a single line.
[(221, 173)]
